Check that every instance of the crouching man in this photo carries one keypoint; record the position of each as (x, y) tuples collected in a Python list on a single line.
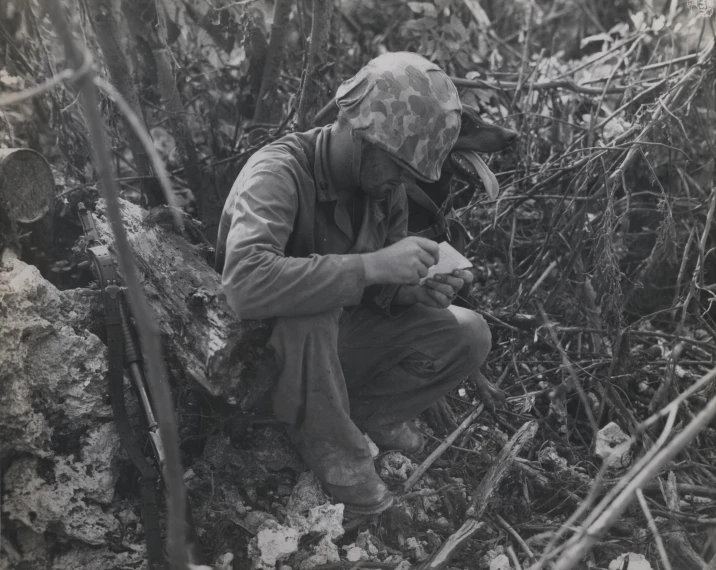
[(313, 236)]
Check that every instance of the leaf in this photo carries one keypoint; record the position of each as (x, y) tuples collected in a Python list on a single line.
[(458, 28), (421, 25), (606, 38), (424, 8), (477, 11)]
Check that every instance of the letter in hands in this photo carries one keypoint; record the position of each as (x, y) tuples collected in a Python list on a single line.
[(403, 263), (409, 262)]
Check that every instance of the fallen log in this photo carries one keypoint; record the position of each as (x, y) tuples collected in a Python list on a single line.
[(207, 346)]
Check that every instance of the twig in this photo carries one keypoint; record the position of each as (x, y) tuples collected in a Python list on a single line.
[(347, 565), (149, 147), (450, 547), (15, 98), (677, 537), (423, 493), (584, 507), (676, 402), (442, 448), (638, 475), (570, 369), (513, 533), (480, 499), (513, 557), (654, 530), (149, 332)]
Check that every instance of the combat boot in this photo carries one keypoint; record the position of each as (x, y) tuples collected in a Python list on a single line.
[(367, 498), (398, 437)]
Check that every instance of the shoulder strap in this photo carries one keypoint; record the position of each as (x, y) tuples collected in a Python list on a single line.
[(418, 195)]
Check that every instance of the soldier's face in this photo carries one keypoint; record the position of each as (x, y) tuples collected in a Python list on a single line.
[(379, 174)]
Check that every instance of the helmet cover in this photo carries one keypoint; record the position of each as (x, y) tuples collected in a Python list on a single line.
[(407, 106)]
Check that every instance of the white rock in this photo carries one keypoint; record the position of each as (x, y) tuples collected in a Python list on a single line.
[(549, 457), (404, 565), (500, 562), (416, 549), (306, 494), (613, 445), (327, 520), (355, 554), (364, 540), (225, 562), (275, 544), (395, 464), (324, 553), (636, 562)]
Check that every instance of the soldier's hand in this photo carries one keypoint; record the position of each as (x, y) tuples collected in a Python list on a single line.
[(492, 396), (443, 289), (441, 417), (438, 292), (403, 263)]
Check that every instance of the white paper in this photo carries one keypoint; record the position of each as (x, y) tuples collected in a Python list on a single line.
[(450, 260)]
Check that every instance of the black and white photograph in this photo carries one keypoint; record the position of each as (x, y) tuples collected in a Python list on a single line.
[(357, 285)]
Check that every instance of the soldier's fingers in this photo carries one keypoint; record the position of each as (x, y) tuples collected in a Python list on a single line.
[(455, 282), (441, 287), (465, 275), (430, 246), (425, 258), (443, 301)]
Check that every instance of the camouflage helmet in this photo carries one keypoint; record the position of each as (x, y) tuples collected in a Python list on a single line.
[(408, 107)]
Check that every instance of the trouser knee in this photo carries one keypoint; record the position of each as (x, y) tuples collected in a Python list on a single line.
[(291, 332), (472, 337)]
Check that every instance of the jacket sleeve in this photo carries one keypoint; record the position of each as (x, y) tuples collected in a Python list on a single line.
[(259, 280), (380, 297)]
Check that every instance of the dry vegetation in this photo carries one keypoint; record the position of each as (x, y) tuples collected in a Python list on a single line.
[(596, 265)]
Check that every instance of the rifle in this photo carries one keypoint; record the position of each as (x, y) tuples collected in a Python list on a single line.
[(123, 349)]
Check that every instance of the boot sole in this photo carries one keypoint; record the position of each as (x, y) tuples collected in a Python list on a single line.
[(372, 510)]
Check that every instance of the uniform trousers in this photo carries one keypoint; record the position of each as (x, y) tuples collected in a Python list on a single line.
[(351, 370)]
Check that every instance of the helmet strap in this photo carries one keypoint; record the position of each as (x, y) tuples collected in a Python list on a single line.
[(357, 156)]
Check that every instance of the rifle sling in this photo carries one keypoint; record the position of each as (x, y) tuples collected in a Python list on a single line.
[(112, 297)]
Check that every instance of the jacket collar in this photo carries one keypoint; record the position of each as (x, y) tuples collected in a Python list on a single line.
[(325, 191)]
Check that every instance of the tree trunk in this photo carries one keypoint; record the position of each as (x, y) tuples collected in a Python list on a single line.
[(106, 17), (266, 110), (151, 25), (320, 32)]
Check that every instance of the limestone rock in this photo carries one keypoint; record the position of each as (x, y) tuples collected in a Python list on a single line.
[(500, 562), (395, 465), (82, 556), (636, 562), (307, 494), (369, 543), (273, 543), (327, 520), (51, 373), (58, 503), (323, 553), (356, 553), (614, 446), (416, 549)]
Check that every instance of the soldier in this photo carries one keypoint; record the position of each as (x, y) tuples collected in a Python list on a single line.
[(313, 236)]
